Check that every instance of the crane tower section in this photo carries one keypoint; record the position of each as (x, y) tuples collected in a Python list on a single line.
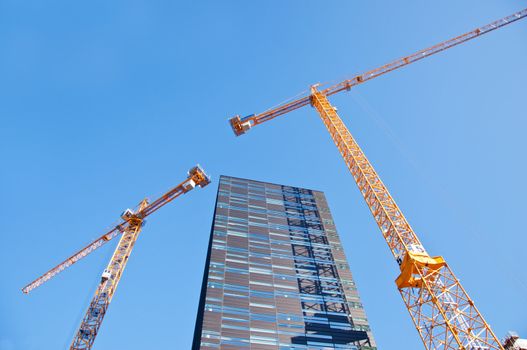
[(443, 313)]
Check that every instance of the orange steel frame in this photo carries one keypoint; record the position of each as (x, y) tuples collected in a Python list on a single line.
[(94, 316), (130, 227), (196, 174), (442, 312), (241, 125)]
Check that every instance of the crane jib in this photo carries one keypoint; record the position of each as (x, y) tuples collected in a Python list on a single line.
[(242, 125)]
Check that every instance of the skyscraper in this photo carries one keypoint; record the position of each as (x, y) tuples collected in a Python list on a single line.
[(276, 276)]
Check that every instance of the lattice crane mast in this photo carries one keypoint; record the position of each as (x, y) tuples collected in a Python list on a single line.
[(130, 227), (442, 311)]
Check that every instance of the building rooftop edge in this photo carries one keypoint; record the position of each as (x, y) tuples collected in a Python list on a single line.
[(270, 183)]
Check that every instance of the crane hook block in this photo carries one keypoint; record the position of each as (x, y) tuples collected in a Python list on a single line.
[(238, 126)]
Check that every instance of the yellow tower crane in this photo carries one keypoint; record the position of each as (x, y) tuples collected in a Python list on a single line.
[(443, 313), (129, 226)]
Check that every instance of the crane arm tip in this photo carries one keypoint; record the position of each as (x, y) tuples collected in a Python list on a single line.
[(239, 126), (198, 175)]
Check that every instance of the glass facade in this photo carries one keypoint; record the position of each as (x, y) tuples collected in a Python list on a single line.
[(276, 276)]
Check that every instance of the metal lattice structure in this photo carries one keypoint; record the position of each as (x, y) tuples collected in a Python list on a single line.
[(129, 227), (241, 125), (443, 313), (103, 295)]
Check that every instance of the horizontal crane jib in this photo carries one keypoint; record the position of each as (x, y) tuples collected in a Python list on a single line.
[(419, 55), (242, 125)]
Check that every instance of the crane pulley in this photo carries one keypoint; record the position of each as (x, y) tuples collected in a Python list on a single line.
[(129, 227), (443, 313)]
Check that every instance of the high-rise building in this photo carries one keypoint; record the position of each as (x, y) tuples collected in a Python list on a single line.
[(276, 276)]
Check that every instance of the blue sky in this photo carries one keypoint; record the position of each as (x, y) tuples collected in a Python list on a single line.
[(104, 103)]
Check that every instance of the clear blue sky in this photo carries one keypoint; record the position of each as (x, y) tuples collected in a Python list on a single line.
[(103, 103)]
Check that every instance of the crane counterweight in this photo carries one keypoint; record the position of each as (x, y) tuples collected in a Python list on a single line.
[(239, 126)]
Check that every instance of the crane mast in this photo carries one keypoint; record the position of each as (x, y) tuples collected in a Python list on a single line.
[(105, 290), (443, 313)]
